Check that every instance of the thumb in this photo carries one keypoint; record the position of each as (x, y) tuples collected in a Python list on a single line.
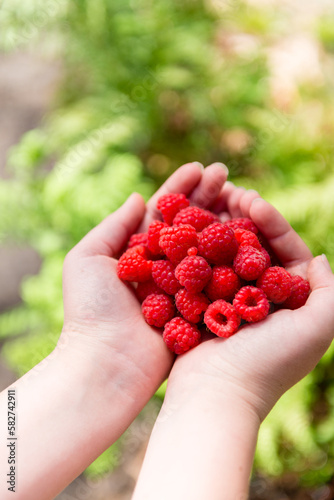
[(110, 236)]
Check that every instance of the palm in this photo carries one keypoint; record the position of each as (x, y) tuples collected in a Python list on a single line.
[(104, 309)]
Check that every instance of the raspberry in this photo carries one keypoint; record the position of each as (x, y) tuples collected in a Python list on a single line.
[(134, 265), (191, 305), (170, 204), (196, 217), (138, 239), (242, 223), (251, 303), (247, 238), (299, 292), (276, 284), (158, 310), (222, 319), (193, 273), (249, 263), (163, 273), (180, 336), (224, 284), (218, 244), (147, 288), (153, 236), (175, 241)]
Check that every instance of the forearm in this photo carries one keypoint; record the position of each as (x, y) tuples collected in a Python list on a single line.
[(207, 440), (68, 412)]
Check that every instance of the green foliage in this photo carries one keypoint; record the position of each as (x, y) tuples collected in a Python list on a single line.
[(148, 86)]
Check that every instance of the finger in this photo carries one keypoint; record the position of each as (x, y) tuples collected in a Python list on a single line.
[(220, 205), (318, 313), (246, 201), (233, 202), (209, 187), (286, 243), (110, 236), (183, 180)]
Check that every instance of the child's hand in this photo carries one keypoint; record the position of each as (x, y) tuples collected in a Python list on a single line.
[(102, 314), (264, 359)]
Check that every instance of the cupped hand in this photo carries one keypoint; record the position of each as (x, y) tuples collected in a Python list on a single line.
[(102, 314), (260, 362)]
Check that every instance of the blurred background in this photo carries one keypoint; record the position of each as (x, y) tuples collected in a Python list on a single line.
[(99, 98)]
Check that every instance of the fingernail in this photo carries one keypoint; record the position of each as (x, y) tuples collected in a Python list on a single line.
[(252, 191), (325, 262), (256, 200), (220, 165), (198, 164)]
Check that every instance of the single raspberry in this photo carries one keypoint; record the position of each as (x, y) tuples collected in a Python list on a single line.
[(247, 238), (249, 263), (242, 223), (224, 284), (191, 305), (196, 217), (276, 283), (300, 290), (251, 303), (163, 273), (222, 319), (138, 239), (180, 336), (175, 241), (193, 273), (134, 265), (170, 204), (153, 236), (147, 288), (158, 310), (218, 244)]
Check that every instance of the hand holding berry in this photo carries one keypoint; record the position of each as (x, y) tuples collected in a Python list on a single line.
[(220, 391)]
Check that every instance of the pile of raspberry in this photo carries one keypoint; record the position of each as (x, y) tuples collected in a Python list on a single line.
[(191, 269)]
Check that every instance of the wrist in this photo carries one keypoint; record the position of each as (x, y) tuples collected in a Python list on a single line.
[(205, 434)]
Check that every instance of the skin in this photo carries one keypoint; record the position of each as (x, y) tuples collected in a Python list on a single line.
[(220, 392), (109, 362)]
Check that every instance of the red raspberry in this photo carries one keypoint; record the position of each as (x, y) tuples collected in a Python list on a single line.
[(147, 288), (191, 305), (134, 265), (247, 239), (249, 263), (299, 292), (222, 319), (180, 336), (196, 217), (193, 273), (163, 273), (242, 223), (251, 303), (138, 239), (175, 241), (218, 244), (170, 204), (276, 284), (224, 284), (153, 236), (158, 310)]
